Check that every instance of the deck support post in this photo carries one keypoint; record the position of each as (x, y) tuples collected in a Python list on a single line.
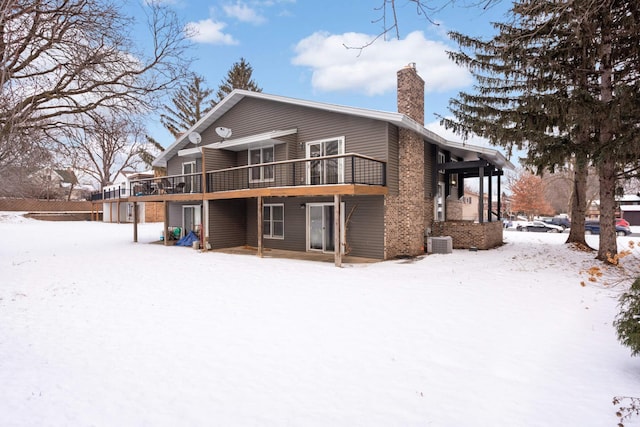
[(260, 231), (205, 225), (165, 206), (337, 241), (135, 222)]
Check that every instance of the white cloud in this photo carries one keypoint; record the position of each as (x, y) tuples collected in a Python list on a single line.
[(243, 13), (373, 69), (210, 32)]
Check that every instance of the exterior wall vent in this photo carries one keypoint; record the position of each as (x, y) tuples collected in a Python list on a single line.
[(440, 245)]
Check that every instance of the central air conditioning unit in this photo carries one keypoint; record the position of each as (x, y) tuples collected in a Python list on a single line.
[(440, 245)]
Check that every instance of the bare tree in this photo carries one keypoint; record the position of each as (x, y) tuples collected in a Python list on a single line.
[(59, 59), (390, 21), (105, 145), (559, 188), (15, 177)]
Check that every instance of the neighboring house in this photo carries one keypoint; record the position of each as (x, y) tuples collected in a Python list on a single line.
[(268, 171), (60, 184), (630, 208), (470, 202), (116, 206)]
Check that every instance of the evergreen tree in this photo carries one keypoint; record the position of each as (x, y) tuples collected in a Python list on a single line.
[(627, 323), (545, 81), (190, 103), (149, 151), (238, 77)]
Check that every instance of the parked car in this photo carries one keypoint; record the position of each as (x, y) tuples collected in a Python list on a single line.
[(562, 221), (622, 222), (593, 227), (541, 227)]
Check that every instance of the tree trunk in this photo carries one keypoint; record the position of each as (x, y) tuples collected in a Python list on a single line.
[(608, 244), (607, 167), (579, 201)]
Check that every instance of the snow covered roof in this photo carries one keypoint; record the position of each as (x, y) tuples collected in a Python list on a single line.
[(629, 198)]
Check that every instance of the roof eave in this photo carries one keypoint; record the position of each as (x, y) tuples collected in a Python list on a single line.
[(396, 118)]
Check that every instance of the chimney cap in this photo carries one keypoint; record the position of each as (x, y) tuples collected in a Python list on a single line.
[(411, 65)]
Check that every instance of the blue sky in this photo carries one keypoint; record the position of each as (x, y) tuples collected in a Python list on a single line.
[(296, 49)]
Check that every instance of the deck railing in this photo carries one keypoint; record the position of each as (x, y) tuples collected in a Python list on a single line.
[(337, 169), (327, 170), (174, 184), (112, 193)]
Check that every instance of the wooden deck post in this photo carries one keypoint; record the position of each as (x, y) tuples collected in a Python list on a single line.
[(165, 205), (135, 222), (260, 206), (337, 241)]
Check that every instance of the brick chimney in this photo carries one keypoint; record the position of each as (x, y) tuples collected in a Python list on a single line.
[(411, 93), (406, 208)]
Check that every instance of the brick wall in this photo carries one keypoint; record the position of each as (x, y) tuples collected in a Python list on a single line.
[(454, 209), (467, 234), (405, 212), (411, 93)]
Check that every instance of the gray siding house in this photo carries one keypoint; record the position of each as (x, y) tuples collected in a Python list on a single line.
[(268, 171)]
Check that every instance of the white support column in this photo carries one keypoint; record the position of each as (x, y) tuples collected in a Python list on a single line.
[(481, 195)]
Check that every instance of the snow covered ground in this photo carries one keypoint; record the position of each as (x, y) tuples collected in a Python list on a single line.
[(96, 330)]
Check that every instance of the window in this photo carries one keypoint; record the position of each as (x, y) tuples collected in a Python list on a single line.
[(325, 171), (441, 160), (189, 181), (439, 204), (258, 156), (273, 221)]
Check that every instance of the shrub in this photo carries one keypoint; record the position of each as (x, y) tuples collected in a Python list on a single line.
[(627, 323)]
